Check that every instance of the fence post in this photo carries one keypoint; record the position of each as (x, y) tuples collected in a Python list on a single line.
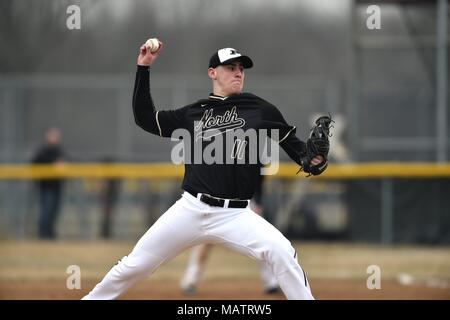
[(386, 211)]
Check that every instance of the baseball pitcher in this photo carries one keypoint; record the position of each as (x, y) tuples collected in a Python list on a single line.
[(214, 206)]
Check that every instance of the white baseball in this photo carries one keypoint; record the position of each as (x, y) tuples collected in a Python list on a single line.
[(152, 44)]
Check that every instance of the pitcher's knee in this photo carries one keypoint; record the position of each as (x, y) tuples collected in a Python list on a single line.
[(129, 267), (281, 256)]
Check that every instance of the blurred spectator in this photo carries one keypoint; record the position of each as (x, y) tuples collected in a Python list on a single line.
[(50, 190)]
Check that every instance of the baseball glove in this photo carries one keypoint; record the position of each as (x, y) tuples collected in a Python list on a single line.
[(318, 143)]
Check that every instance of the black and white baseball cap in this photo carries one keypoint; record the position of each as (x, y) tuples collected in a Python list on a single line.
[(228, 55)]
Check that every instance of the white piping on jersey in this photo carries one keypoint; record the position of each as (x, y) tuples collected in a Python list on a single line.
[(217, 97), (286, 135), (157, 122)]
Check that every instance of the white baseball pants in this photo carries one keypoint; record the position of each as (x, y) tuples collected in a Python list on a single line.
[(190, 222)]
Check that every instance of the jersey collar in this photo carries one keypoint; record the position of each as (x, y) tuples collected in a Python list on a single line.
[(216, 97)]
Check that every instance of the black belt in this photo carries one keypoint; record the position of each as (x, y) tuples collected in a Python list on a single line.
[(219, 202)]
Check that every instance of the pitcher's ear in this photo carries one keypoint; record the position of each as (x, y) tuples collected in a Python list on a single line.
[(212, 73)]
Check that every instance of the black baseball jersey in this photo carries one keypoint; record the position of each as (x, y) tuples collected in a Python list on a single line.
[(234, 173)]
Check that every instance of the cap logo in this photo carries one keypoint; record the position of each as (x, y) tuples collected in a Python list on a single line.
[(228, 53)]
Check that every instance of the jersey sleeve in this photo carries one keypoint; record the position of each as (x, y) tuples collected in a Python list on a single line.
[(162, 122), (273, 119), (294, 147)]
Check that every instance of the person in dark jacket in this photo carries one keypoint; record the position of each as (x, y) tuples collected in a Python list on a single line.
[(50, 190)]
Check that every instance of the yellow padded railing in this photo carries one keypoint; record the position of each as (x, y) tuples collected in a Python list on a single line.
[(168, 170)]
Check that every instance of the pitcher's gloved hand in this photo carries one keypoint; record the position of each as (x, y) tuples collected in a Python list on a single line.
[(315, 160)]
